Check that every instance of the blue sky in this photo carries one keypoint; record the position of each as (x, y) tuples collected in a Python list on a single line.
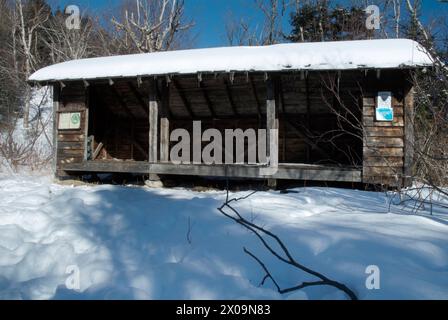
[(210, 16)]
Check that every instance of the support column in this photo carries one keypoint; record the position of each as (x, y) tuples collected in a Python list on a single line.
[(153, 122), (271, 123), (154, 180), (56, 95), (165, 124)]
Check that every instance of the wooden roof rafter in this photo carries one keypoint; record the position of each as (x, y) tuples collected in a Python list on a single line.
[(254, 93), (207, 99), (138, 96), (230, 97), (182, 96)]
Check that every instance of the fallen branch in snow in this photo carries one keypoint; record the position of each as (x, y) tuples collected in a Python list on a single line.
[(261, 233)]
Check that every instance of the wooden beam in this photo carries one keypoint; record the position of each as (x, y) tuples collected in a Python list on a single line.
[(183, 97), (271, 124), (139, 97), (271, 114), (165, 123), (97, 151), (254, 93), (56, 96), (153, 122), (285, 171), (308, 116), (230, 97)]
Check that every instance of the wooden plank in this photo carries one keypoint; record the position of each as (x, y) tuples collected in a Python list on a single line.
[(288, 172), (56, 98), (384, 142), (271, 121), (97, 151), (67, 153), (165, 124), (383, 161), (387, 152), (153, 123), (70, 137), (383, 171), (384, 132)]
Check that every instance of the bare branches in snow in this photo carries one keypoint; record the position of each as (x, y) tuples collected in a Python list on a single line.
[(283, 254)]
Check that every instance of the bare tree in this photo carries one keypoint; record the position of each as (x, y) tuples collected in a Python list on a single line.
[(68, 44), (270, 31), (151, 26), (26, 28)]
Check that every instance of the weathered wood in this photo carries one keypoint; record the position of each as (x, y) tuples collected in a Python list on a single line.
[(409, 139), (285, 171), (165, 124), (70, 137), (380, 142), (381, 161), (271, 120), (86, 121), (56, 97), (153, 123), (383, 152), (97, 151), (384, 132)]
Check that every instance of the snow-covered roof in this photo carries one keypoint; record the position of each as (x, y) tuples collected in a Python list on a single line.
[(340, 55)]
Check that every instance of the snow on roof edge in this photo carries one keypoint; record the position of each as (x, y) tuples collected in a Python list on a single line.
[(318, 56)]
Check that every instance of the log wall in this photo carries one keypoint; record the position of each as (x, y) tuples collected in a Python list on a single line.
[(70, 144)]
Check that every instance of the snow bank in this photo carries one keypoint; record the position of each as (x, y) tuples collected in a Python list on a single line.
[(341, 55), (137, 243)]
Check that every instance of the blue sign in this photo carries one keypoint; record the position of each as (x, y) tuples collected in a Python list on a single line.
[(384, 114)]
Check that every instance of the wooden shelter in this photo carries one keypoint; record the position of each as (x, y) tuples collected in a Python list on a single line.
[(343, 110)]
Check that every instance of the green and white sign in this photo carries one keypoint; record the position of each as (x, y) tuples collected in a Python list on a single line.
[(69, 121)]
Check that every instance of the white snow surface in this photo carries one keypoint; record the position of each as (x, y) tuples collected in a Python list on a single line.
[(340, 55), (132, 243)]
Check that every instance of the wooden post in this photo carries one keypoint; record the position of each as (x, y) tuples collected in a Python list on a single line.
[(409, 139), (56, 96), (165, 124), (153, 122), (271, 123), (308, 115)]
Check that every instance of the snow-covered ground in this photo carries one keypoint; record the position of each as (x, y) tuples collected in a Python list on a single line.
[(140, 243)]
